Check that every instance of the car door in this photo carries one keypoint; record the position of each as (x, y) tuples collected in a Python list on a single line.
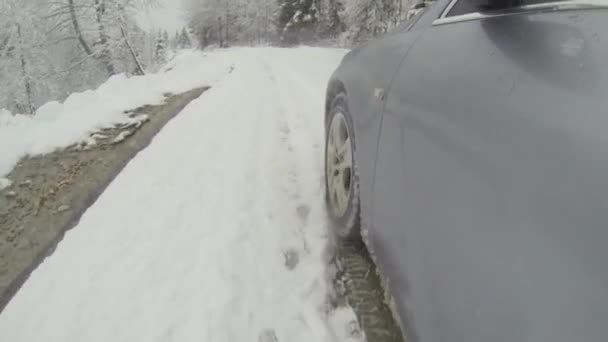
[(489, 198), (366, 73)]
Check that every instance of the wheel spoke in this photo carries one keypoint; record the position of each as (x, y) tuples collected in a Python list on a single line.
[(334, 197), (331, 141), (339, 164), (339, 198), (338, 186), (330, 163), (332, 182), (331, 154), (345, 151), (336, 133), (344, 198)]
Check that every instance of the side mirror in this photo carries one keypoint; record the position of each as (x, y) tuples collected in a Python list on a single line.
[(490, 5), (415, 9), (419, 5)]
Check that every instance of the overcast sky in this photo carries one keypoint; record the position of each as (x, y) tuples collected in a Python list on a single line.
[(167, 15)]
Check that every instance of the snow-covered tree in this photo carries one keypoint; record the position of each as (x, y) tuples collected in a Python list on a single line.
[(173, 42), (23, 63), (49, 49), (102, 30), (297, 20), (332, 19), (183, 40), (224, 22), (368, 18), (161, 47), (221, 22)]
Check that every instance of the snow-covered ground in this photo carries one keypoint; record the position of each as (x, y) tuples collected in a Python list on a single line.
[(215, 232), (59, 125)]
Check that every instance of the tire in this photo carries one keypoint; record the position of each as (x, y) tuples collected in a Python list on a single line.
[(364, 292), (344, 213), (362, 285)]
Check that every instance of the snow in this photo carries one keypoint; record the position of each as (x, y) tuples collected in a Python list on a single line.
[(5, 183), (165, 14), (216, 232), (59, 125)]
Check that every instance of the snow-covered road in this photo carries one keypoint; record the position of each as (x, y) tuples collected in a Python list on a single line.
[(215, 232)]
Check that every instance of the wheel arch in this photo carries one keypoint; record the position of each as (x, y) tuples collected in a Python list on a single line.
[(334, 88)]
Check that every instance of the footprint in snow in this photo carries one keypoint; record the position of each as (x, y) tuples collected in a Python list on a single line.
[(268, 335), (292, 258), (303, 211), (284, 129)]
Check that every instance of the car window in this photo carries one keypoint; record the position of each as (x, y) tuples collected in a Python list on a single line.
[(462, 7)]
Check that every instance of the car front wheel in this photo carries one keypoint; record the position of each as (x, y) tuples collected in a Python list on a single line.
[(341, 179)]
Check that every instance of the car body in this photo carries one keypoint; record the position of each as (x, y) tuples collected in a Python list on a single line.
[(481, 151)]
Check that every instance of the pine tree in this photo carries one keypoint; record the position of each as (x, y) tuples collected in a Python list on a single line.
[(174, 43), (49, 49), (183, 41), (284, 26), (296, 21), (332, 23), (160, 50), (166, 37), (370, 18)]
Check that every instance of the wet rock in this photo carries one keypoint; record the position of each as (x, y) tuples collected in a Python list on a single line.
[(25, 183), (63, 208)]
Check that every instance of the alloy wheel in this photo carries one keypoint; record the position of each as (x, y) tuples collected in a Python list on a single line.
[(339, 164)]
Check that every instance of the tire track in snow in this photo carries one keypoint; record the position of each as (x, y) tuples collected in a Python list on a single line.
[(308, 118), (365, 292), (303, 103), (306, 205), (303, 138), (294, 86), (270, 210), (308, 82), (291, 155)]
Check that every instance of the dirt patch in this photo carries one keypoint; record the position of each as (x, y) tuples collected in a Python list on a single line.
[(358, 283), (49, 193)]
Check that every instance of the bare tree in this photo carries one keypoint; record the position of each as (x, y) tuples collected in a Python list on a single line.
[(49, 49), (77, 30), (224, 22)]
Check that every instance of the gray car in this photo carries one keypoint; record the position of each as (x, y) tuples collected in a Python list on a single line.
[(471, 146)]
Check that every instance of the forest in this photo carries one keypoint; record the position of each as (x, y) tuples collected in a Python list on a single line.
[(290, 22), (52, 48)]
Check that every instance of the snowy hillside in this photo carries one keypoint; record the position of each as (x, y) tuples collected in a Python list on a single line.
[(215, 232), (59, 125)]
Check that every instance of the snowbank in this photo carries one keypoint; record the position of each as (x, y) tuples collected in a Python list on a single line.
[(4, 183), (59, 125)]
